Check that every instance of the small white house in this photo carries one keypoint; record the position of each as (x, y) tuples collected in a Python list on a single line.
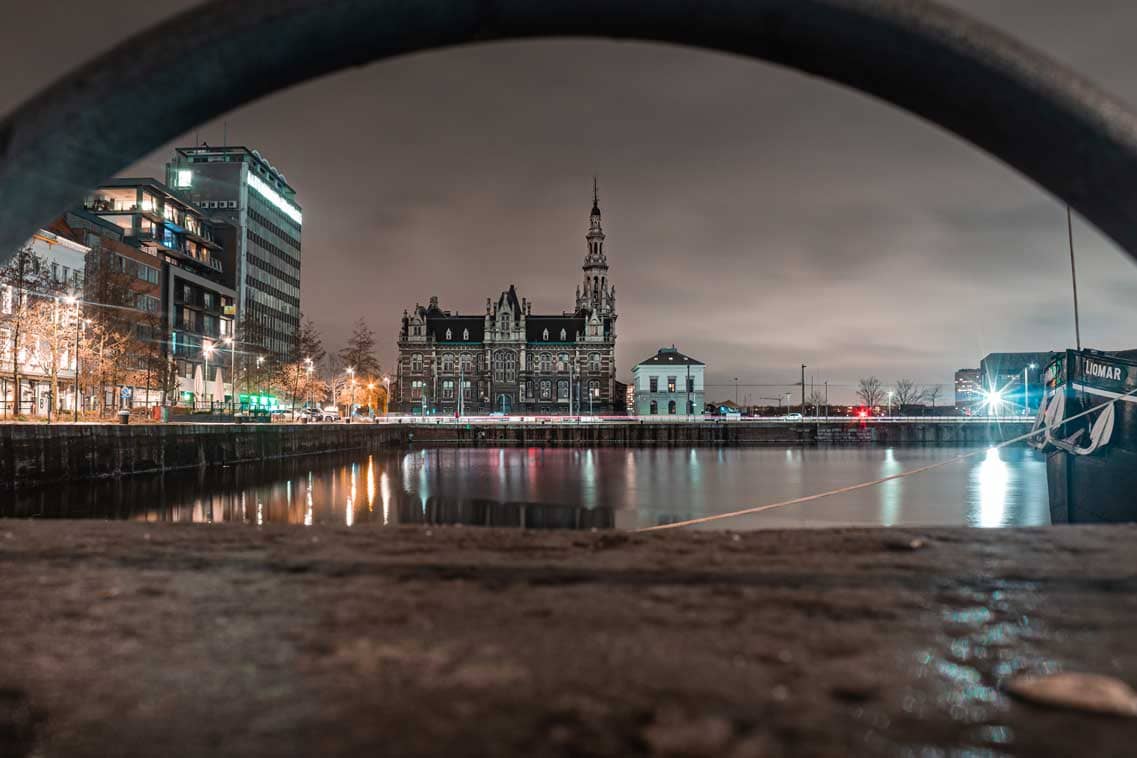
[(668, 384)]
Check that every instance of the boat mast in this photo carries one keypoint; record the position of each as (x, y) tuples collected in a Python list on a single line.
[(1073, 277)]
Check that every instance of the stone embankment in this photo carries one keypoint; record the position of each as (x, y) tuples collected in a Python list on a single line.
[(141, 639), (37, 454)]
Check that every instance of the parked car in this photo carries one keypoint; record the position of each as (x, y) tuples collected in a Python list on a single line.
[(320, 414), (792, 417)]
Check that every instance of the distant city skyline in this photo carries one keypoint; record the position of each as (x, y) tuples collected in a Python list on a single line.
[(756, 218)]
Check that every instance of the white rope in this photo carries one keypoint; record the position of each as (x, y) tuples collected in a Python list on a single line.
[(875, 482)]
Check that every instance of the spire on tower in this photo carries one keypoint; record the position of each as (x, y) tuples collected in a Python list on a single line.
[(595, 197)]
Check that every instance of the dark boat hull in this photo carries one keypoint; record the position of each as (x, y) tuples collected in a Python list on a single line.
[(1100, 487)]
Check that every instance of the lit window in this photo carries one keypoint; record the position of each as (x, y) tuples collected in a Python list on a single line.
[(465, 335), (545, 335), (564, 335), (449, 336), (185, 178)]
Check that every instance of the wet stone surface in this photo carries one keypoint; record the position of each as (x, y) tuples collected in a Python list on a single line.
[(141, 639)]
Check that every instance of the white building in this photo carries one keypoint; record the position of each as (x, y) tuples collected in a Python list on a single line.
[(63, 261), (669, 384)]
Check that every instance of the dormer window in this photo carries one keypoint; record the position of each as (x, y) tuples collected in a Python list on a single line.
[(449, 335), (564, 335), (465, 335), (545, 335)]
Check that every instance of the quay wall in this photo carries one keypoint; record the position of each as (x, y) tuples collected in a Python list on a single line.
[(40, 454), (710, 434)]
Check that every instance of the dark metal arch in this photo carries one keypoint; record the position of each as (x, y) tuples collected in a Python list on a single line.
[(1016, 104)]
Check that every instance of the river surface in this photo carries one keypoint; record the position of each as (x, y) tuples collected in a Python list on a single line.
[(573, 488)]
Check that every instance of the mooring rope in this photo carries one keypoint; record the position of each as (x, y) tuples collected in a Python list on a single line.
[(882, 480)]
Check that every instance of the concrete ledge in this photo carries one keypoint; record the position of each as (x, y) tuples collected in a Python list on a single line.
[(135, 640)]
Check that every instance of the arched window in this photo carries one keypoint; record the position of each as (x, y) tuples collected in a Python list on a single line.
[(671, 408), (416, 363), (448, 364), (562, 362), (546, 363), (449, 336), (467, 362), (654, 408), (465, 335), (545, 335), (564, 335)]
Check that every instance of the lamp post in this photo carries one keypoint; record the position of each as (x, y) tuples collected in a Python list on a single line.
[(351, 406), (890, 402), (207, 351), (308, 370), (74, 300), (387, 394), (232, 343), (1026, 387)]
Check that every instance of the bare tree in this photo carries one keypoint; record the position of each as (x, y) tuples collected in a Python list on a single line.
[(907, 393), (870, 391), (20, 280), (359, 352), (932, 393)]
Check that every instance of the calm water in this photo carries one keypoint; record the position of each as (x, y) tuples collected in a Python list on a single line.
[(605, 487)]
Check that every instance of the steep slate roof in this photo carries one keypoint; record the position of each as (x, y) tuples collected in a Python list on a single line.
[(437, 326), (669, 356), (535, 327)]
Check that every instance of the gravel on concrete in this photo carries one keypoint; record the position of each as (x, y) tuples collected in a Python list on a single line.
[(143, 639)]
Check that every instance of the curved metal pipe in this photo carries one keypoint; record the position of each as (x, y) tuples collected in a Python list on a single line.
[(1022, 108)]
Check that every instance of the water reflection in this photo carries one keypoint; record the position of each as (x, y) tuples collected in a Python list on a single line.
[(566, 488)]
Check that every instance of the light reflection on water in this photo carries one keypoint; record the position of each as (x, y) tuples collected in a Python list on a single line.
[(570, 488)]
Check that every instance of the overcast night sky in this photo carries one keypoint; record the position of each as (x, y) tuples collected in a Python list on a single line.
[(756, 218)]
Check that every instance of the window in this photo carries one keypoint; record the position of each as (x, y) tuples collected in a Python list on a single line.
[(448, 364), (564, 335), (653, 384), (465, 335), (449, 335), (504, 366), (690, 384), (562, 362), (467, 363), (546, 390), (416, 363), (594, 362), (526, 391), (546, 363), (690, 407), (417, 387), (594, 389), (594, 330), (562, 390), (467, 389), (671, 383), (654, 408), (545, 335), (447, 389), (671, 408)]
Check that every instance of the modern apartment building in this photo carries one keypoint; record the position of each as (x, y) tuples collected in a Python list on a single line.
[(238, 185), (197, 308)]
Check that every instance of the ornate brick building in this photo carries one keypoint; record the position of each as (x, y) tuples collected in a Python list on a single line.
[(510, 360)]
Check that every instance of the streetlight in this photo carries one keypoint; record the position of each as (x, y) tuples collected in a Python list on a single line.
[(308, 369), (1026, 387), (207, 351), (74, 300), (351, 406), (890, 402), (232, 343), (387, 394)]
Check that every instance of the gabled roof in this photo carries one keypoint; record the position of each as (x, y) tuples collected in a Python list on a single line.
[(535, 327), (669, 356)]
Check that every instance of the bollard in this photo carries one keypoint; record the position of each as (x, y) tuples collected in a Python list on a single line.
[(124, 416)]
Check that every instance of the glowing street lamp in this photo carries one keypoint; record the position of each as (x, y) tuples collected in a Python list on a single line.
[(387, 394), (74, 300), (207, 351), (351, 406), (890, 402), (1026, 387)]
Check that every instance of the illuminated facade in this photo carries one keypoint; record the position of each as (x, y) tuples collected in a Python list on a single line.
[(511, 361), (669, 384), (197, 308), (239, 186)]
